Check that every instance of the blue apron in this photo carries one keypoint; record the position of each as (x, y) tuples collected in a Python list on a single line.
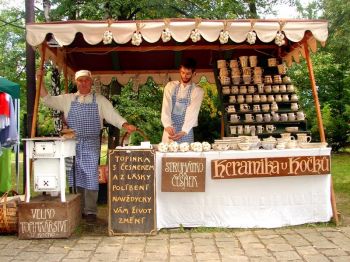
[(84, 119), (178, 113)]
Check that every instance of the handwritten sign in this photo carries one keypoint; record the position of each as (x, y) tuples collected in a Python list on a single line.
[(183, 174), (46, 217), (131, 192), (270, 167)]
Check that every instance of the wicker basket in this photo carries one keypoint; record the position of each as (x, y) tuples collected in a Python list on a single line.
[(9, 213)]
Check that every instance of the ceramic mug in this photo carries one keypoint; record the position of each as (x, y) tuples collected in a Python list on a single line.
[(259, 117), (256, 98), (226, 90), (239, 130), (234, 118), (249, 118), (235, 71), (300, 115), (240, 99), (230, 109), (249, 98), (267, 89), (244, 107), (233, 63), (268, 79), (257, 71), (251, 89), (278, 98), (294, 106), (263, 98), (267, 117), (276, 88), (291, 116), (259, 129), (294, 97), (236, 79), (270, 98), (253, 60), (233, 130), (256, 108), (285, 98), (275, 117), (257, 79), (277, 79), (232, 99), (290, 88), (247, 71), (265, 107), (283, 88), (234, 90), (244, 61), (260, 88), (247, 130), (303, 138), (243, 90), (284, 117), (274, 106), (270, 128)]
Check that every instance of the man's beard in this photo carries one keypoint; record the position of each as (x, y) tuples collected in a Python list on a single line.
[(186, 80)]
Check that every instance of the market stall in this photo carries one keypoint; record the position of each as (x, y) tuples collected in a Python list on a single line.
[(125, 50)]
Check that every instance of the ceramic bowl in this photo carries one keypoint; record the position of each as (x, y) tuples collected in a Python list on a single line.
[(206, 146), (163, 147), (244, 146), (268, 145)]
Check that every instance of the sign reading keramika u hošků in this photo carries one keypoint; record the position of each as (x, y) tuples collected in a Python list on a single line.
[(270, 167)]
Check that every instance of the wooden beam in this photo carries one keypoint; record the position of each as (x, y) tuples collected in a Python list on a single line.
[(37, 93), (314, 93), (112, 72), (215, 47)]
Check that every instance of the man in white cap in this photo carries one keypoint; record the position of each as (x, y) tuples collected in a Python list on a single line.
[(84, 112)]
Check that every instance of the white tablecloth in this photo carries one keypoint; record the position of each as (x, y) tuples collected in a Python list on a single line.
[(246, 202)]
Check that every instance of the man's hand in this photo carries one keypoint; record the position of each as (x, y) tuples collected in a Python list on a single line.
[(177, 136), (170, 130), (129, 128)]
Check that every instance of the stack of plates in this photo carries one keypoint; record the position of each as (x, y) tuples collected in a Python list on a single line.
[(313, 145)]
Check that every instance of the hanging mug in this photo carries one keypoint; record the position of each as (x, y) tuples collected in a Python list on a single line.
[(259, 118), (234, 90), (232, 99)]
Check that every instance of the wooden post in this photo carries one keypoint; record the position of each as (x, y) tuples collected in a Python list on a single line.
[(334, 204), (37, 93), (320, 123), (314, 92)]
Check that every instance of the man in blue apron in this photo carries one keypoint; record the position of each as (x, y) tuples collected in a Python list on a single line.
[(84, 112), (181, 104)]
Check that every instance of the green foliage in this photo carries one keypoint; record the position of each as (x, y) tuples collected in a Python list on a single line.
[(142, 108), (333, 93), (209, 116)]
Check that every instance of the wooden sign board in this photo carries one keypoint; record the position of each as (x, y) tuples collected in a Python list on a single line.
[(47, 217), (183, 174), (270, 167), (131, 192)]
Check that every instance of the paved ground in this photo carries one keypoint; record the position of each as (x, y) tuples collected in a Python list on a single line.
[(291, 244)]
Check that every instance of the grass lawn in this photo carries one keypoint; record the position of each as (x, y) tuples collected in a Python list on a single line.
[(340, 167)]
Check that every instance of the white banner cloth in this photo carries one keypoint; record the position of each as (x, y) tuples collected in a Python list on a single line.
[(268, 202)]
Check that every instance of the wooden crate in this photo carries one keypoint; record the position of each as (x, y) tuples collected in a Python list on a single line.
[(47, 217)]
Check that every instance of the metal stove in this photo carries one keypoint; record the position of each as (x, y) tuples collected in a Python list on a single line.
[(49, 171)]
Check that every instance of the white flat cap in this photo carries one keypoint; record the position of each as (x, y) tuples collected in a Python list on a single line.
[(81, 73)]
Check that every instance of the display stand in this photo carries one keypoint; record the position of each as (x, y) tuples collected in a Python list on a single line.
[(48, 156)]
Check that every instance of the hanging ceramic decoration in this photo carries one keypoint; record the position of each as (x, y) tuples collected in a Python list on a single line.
[(224, 36), (166, 35), (251, 37), (195, 35), (107, 37), (279, 39), (136, 39)]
